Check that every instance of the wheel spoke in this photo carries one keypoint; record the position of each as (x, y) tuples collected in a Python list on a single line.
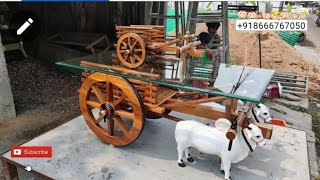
[(110, 127), (132, 60), (100, 118), (125, 44), (129, 42), (99, 94), (137, 57), (109, 92), (116, 102), (137, 50), (121, 124), (126, 57), (135, 43), (94, 104), (124, 113)]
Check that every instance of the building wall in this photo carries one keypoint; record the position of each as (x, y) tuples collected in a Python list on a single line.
[(94, 17)]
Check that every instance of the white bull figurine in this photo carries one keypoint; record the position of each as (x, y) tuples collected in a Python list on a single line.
[(212, 140)]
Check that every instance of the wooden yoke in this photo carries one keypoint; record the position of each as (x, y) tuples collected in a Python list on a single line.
[(243, 122), (231, 134)]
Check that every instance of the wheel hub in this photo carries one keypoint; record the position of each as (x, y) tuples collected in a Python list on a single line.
[(108, 110)]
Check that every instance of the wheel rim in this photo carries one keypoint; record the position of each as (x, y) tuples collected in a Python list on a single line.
[(131, 50), (109, 94)]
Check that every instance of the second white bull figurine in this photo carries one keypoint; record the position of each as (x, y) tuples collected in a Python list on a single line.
[(212, 140)]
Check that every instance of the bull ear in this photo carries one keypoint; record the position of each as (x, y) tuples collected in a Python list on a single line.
[(249, 135), (249, 128), (258, 106)]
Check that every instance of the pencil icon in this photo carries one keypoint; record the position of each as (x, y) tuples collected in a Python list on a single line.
[(24, 26)]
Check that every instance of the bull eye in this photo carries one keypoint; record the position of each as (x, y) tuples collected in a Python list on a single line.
[(265, 113), (258, 137)]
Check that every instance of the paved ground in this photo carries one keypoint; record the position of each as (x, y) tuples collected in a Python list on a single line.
[(79, 154), (310, 48)]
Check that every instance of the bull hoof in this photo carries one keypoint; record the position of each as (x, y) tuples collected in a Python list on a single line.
[(190, 159), (182, 164)]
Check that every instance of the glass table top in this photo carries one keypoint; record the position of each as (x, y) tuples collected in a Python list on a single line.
[(232, 81)]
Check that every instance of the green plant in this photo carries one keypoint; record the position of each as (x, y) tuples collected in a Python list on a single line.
[(289, 7)]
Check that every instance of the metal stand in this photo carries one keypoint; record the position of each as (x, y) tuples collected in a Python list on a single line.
[(260, 57)]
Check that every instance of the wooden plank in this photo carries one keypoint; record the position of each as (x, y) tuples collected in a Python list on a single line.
[(150, 100), (146, 87), (145, 33), (145, 36), (167, 116), (154, 108), (166, 97), (148, 93), (153, 26), (176, 103), (120, 69), (138, 81), (183, 94), (170, 49), (167, 57), (140, 31), (133, 27), (201, 111)]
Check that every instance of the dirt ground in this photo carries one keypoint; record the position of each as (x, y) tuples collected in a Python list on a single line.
[(45, 97)]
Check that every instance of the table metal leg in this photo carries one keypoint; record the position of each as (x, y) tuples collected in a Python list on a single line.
[(9, 170)]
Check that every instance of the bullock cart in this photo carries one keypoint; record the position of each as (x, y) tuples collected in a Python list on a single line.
[(138, 44), (125, 97)]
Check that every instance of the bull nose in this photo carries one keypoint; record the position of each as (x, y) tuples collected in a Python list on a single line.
[(262, 143), (269, 119)]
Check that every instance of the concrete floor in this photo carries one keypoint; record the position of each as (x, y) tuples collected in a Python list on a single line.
[(79, 154)]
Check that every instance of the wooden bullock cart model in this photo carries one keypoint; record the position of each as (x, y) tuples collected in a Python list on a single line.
[(138, 43), (115, 100)]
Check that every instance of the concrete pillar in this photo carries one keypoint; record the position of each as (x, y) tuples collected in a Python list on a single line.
[(7, 109), (148, 11), (268, 7)]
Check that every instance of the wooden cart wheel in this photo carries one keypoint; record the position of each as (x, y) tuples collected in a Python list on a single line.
[(131, 50), (109, 94)]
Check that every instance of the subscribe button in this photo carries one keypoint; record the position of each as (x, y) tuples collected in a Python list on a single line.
[(31, 152)]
